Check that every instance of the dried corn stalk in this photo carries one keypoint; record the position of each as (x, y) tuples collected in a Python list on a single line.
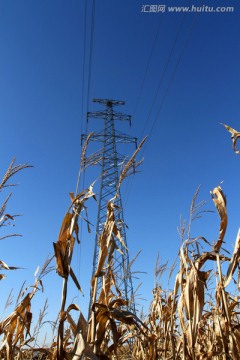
[(63, 249)]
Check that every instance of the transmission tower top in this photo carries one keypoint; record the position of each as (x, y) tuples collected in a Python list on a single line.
[(108, 112), (109, 102)]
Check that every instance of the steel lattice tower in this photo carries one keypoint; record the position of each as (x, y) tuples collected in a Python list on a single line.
[(111, 160)]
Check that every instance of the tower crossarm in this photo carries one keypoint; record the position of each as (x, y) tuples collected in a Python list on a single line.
[(109, 102), (120, 138), (102, 114)]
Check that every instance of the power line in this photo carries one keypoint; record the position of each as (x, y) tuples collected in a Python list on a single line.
[(84, 61), (83, 86), (148, 65), (129, 184), (164, 71), (87, 104), (167, 89), (90, 56), (173, 76), (89, 78)]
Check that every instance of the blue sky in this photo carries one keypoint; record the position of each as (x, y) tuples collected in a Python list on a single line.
[(42, 111)]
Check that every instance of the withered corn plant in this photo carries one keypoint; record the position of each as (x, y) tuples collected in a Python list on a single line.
[(63, 250), (5, 218), (63, 253), (15, 328), (156, 343)]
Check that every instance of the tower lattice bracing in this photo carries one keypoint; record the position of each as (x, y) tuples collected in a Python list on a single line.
[(111, 162)]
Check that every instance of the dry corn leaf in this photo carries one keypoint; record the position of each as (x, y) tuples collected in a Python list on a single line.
[(105, 237), (65, 228), (14, 315), (102, 321), (208, 256), (124, 316), (64, 246), (74, 278), (4, 266), (235, 135), (131, 164), (63, 253), (233, 347), (116, 335), (117, 302), (219, 200), (81, 346), (234, 261), (237, 337), (181, 305)]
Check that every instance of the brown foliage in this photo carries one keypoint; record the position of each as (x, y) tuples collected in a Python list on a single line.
[(189, 322)]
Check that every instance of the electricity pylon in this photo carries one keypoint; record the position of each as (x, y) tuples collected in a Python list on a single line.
[(111, 161)]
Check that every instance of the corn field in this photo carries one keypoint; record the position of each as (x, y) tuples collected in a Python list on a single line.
[(189, 322)]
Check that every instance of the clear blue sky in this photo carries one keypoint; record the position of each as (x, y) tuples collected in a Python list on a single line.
[(42, 111)]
